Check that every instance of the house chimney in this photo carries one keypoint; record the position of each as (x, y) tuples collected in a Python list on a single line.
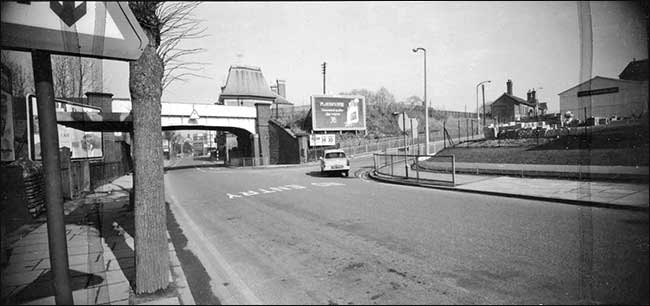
[(101, 99), (274, 88), (532, 96), (528, 96), (509, 87), (282, 91)]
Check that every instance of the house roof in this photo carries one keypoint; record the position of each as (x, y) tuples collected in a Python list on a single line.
[(514, 98), (246, 81), (599, 77), (636, 70)]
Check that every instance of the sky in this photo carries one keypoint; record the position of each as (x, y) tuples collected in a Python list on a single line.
[(369, 45)]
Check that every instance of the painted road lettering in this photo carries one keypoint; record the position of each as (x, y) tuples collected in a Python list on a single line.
[(274, 189)]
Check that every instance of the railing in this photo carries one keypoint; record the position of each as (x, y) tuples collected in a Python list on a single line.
[(436, 172)]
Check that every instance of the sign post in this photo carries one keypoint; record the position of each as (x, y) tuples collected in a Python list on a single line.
[(50, 151), (92, 29), (401, 121)]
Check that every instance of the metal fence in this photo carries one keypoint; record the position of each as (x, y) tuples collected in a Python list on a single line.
[(439, 169), (457, 129)]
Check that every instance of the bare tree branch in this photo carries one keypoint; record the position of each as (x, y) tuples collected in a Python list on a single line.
[(21, 79), (176, 25)]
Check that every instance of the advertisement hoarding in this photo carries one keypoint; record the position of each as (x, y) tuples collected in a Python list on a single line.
[(338, 113), (322, 140), (81, 144), (7, 117)]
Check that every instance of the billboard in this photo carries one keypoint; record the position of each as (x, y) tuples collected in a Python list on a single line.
[(338, 113), (81, 144), (322, 140), (6, 117)]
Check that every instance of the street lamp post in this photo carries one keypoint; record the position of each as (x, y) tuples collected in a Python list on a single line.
[(478, 116), (426, 104)]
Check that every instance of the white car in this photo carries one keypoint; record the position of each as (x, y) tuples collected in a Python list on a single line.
[(335, 161)]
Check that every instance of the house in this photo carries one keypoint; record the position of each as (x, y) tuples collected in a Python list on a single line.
[(509, 107)]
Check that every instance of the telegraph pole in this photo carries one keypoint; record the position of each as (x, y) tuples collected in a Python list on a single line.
[(483, 90), (324, 66)]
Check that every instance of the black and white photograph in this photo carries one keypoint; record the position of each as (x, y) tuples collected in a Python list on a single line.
[(324, 153)]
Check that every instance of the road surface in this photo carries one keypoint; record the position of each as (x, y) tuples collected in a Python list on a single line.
[(292, 236)]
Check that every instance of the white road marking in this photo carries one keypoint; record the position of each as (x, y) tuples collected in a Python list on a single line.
[(259, 191)]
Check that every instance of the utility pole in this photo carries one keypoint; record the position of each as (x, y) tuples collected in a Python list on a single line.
[(483, 91), (324, 66)]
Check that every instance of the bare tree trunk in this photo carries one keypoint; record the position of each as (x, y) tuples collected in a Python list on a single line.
[(152, 256)]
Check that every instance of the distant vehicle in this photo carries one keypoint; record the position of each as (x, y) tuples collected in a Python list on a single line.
[(335, 161)]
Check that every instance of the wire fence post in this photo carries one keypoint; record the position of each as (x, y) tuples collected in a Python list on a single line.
[(391, 165), (417, 168), (374, 161), (453, 170), (458, 130)]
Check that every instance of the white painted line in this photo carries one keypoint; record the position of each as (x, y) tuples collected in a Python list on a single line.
[(214, 256)]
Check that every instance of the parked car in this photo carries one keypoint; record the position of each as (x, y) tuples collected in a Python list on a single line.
[(335, 161)]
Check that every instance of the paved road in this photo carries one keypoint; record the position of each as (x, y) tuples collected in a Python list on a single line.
[(290, 236)]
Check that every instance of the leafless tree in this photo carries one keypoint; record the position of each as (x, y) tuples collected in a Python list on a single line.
[(72, 76), (177, 24), (22, 80), (145, 85)]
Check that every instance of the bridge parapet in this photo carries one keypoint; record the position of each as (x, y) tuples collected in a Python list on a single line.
[(207, 110)]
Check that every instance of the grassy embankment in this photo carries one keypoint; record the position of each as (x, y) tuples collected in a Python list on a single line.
[(602, 145)]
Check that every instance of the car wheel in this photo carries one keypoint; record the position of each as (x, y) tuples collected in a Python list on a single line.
[(346, 173)]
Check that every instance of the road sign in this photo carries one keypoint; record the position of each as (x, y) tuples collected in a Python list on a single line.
[(316, 140), (401, 121), (87, 28)]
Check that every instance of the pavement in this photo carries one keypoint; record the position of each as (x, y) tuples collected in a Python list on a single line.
[(620, 187), (100, 255)]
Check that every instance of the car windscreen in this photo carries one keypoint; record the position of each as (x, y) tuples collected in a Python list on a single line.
[(335, 155)]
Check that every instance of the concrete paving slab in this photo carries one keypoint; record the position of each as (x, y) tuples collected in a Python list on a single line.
[(166, 301), (119, 292)]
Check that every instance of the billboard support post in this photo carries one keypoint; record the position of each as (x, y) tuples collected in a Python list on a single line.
[(406, 164)]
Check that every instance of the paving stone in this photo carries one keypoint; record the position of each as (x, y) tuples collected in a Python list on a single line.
[(119, 292), (165, 301)]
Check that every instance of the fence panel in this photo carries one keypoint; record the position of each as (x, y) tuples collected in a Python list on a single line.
[(438, 169)]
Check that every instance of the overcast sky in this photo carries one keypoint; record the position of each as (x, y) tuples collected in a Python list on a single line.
[(368, 45)]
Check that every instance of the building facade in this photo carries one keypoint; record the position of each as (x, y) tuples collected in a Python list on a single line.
[(603, 97)]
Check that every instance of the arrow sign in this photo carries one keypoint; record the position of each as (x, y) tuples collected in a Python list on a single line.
[(67, 11), (93, 29)]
